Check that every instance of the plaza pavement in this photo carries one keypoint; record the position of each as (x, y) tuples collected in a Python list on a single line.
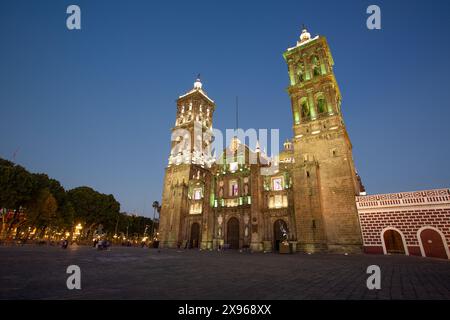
[(39, 272)]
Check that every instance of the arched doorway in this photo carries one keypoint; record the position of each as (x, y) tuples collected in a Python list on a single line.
[(432, 243), (393, 242), (233, 233), (280, 231), (195, 235)]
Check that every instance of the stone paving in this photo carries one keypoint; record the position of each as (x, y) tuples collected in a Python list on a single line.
[(32, 272)]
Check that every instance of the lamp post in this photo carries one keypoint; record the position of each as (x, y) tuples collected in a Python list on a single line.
[(155, 206)]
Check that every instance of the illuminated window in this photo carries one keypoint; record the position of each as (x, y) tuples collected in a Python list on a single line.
[(195, 208), (321, 105), (316, 71), (198, 193), (234, 188), (232, 202), (278, 201), (300, 76), (277, 184), (316, 66), (304, 109), (233, 166)]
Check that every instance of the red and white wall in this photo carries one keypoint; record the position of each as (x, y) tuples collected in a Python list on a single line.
[(416, 223)]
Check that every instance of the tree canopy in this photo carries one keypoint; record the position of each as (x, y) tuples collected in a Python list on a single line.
[(36, 202)]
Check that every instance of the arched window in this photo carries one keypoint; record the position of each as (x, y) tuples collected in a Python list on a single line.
[(304, 107), (321, 105), (300, 73), (316, 66), (316, 71), (315, 60)]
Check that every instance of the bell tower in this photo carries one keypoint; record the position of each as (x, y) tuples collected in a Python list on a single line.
[(325, 183), (186, 188)]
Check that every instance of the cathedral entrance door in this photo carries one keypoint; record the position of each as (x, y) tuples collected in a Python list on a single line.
[(195, 235), (233, 233), (279, 227)]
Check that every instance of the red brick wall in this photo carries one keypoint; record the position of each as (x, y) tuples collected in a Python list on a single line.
[(407, 220)]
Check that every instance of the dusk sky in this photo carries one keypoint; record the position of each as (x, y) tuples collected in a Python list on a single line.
[(95, 106)]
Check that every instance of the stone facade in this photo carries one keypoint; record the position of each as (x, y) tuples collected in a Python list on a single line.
[(325, 181), (309, 201)]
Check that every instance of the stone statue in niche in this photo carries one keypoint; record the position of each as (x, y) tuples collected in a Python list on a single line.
[(246, 187), (283, 231)]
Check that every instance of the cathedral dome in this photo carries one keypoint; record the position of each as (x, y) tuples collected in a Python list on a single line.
[(305, 36), (197, 84)]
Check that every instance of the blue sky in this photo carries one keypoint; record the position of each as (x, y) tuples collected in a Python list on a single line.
[(95, 107)]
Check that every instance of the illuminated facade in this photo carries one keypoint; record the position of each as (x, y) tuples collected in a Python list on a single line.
[(314, 201), (308, 201)]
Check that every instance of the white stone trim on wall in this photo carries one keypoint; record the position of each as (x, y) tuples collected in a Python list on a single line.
[(393, 210), (403, 199), (419, 239), (401, 234)]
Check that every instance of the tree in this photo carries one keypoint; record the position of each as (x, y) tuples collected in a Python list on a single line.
[(40, 202), (94, 208), (17, 186), (41, 212)]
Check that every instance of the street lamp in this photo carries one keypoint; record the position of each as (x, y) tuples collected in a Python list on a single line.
[(155, 206)]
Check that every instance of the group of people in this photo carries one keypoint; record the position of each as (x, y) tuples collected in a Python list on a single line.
[(101, 244), (105, 244)]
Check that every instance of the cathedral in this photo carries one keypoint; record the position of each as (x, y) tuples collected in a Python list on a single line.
[(308, 202)]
